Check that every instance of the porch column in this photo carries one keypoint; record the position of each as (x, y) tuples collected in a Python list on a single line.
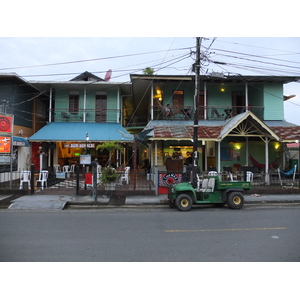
[(205, 102), (50, 105), (246, 96), (219, 157), (151, 101), (247, 151), (155, 169), (267, 178), (84, 104), (118, 108)]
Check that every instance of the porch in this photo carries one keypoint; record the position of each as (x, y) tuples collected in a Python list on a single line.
[(216, 112)]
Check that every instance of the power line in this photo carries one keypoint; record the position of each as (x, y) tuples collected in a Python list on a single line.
[(93, 59)]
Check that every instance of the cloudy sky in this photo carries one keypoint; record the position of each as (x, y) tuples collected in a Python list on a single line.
[(64, 39), (62, 58)]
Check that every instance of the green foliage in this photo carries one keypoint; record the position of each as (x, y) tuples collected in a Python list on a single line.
[(111, 147), (148, 71), (109, 174)]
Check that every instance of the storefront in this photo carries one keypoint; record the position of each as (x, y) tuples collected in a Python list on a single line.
[(64, 143)]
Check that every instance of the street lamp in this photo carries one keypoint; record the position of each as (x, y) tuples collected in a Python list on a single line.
[(87, 138)]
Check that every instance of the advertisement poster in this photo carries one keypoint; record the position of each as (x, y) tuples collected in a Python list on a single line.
[(5, 144), (6, 124), (166, 180)]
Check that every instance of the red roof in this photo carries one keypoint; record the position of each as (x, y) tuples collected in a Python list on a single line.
[(213, 132), (186, 132), (287, 133)]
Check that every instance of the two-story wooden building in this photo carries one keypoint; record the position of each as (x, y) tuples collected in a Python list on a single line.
[(83, 112), (241, 121)]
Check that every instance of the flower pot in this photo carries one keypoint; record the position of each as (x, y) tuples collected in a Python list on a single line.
[(110, 186)]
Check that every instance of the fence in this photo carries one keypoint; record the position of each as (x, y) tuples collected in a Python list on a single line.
[(140, 182), (77, 183)]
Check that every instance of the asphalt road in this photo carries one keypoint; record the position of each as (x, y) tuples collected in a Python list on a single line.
[(204, 234)]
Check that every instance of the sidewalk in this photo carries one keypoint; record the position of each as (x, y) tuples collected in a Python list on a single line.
[(58, 202)]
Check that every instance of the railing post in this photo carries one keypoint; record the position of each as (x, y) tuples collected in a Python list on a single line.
[(77, 180), (32, 178), (94, 172)]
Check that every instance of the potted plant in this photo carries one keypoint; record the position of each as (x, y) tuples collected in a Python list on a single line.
[(108, 177)]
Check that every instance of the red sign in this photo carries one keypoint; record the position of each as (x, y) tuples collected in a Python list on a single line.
[(166, 180), (5, 144), (6, 124)]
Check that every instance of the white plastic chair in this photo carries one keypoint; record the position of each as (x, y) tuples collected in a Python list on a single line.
[(125, 175), (249, 176), (99, 172), (43, 176), (66, 169), (25, 177), (72, 169), (56, 168)]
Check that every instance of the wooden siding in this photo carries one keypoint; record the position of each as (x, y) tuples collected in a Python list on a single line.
[(273, 101)]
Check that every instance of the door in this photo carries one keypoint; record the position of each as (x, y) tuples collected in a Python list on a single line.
[(201, 105), (238, 103), (178, 101), (101, 108)]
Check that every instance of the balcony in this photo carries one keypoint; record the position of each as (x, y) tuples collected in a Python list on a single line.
[(216, 112), (87, 115)]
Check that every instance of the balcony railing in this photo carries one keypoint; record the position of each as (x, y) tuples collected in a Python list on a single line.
[(216, 112), (87, 115)]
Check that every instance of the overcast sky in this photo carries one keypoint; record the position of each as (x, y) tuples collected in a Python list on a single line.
[(62, 58), (62, 40)]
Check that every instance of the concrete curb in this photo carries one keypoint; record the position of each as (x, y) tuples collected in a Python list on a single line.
[(60, 202)]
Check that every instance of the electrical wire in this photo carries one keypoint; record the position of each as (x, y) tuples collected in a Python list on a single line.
[(91, 60)]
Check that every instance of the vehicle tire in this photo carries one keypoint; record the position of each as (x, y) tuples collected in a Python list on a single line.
[(235, 200), (184, 202)]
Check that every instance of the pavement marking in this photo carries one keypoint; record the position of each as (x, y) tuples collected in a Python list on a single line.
[(229, 229)]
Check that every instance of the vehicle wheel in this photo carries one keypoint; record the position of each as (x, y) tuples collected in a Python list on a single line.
[(184, 202), (171, 204), (235, 200)]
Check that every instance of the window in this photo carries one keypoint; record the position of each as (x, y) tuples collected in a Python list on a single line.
[(74, 102)]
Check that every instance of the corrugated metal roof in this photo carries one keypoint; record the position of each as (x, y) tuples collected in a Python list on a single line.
[(287, 134), (72, 131), (177, 132), (217, 130)]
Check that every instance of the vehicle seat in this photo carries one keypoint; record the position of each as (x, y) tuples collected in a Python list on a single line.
[(208, 185)]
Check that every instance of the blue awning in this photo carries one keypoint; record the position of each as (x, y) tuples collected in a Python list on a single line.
[(19, 141), (76, 131)]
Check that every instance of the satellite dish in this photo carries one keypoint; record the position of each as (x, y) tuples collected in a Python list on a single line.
[(108, 75)]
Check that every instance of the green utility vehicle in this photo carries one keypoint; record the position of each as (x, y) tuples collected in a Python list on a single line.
[(208, 191)]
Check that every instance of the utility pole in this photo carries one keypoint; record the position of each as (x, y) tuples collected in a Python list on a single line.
[(196, 113)]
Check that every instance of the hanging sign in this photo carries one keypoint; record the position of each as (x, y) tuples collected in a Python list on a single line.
[(5, 144), (6, 124), (79, 145)]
